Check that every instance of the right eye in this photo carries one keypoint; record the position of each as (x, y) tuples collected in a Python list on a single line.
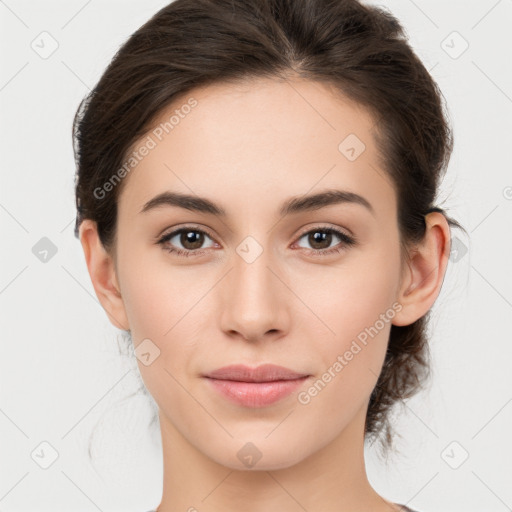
[(190, 238)]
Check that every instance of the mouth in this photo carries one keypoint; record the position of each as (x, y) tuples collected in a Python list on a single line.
[(262, 373), (259, 387)]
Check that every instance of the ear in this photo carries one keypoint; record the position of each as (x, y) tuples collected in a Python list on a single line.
[(103, 276), (425, 270)]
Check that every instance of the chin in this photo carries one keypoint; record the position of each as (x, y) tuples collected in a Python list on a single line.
[(256, 455)]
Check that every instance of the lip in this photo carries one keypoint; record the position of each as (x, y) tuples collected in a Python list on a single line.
[(255, 387), (262, 373)]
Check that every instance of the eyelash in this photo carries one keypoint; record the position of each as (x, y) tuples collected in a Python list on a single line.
[(347, 241)]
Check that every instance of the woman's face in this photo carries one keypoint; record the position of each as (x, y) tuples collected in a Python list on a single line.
[(251, 290)]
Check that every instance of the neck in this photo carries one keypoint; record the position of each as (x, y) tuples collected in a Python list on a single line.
[(333, 479)]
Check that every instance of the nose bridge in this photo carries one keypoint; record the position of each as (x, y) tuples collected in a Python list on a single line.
[(252, 297)]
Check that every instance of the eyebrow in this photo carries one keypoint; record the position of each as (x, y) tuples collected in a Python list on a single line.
[(293, 205)]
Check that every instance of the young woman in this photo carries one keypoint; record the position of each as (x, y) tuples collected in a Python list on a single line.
[(255, 195)]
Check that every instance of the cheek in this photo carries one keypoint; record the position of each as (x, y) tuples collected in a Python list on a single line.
[(155, 298), (354, 295), (161, 309), (368, 286), (356, 305), (351, 359), (163, 305)]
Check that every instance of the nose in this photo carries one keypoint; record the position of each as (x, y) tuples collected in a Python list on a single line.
[(256, 299)]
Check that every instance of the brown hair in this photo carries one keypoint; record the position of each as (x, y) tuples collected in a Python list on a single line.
[(361, 50)]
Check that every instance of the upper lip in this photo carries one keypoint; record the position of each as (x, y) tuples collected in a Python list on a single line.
[(263, 373)]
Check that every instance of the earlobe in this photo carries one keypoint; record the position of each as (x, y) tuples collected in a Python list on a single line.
[(102, 273), (425, 271)]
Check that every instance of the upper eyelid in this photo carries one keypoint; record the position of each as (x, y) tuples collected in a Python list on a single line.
[(326, 227), (176, 231)]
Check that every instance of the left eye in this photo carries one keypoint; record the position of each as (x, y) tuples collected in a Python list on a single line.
[(323, 236), (192, 240)]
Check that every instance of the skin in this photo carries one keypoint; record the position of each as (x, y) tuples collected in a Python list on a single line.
[(249, 148)]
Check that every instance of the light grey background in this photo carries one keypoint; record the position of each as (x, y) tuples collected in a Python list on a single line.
[(60, 369)]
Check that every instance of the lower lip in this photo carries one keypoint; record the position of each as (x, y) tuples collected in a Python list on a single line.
[(256, 394)]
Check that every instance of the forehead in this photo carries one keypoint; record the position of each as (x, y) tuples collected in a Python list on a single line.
[(254, 143)]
